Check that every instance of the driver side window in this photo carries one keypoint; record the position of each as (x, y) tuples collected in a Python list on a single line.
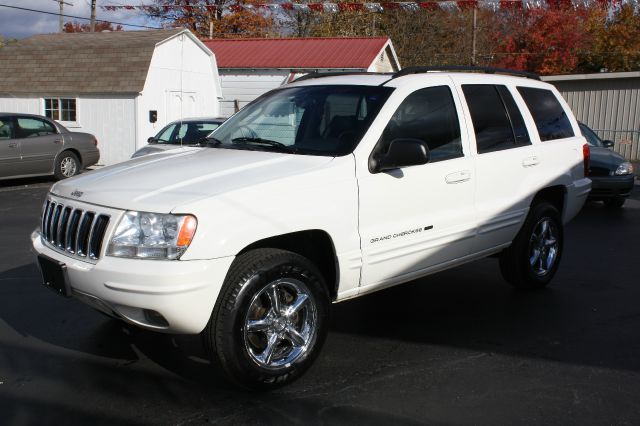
[(430, 116)]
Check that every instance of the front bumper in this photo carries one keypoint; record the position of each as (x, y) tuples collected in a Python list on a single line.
[(182, 293), (606, 187)]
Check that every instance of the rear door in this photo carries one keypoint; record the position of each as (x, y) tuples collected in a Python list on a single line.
[(505, 162), (9, 149), (40, 142)]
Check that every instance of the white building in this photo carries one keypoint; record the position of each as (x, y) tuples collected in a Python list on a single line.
[(250, 67), (121, 86)]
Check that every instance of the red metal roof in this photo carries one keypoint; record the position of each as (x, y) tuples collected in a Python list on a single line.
[(347, 52)]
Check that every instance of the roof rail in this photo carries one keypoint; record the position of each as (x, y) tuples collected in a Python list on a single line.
[(317, 74), (487, 70)]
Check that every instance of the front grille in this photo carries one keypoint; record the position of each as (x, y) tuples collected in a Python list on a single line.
[(75, 231)]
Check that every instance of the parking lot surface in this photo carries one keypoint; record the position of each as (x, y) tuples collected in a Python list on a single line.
[(458, 347)]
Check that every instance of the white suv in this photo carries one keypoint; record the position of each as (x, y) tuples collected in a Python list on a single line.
[(325, 189)]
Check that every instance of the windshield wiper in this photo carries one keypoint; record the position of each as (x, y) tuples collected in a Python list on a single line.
[(267, 142), (209, 142)]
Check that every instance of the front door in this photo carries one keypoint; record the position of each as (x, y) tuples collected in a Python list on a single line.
[(418, 219)]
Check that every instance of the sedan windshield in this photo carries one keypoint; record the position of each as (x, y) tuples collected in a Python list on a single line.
[(316, 120)]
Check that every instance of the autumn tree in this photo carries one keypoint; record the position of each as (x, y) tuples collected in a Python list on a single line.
[(539, 40), (614, 40), (230, 18), (77, 27)]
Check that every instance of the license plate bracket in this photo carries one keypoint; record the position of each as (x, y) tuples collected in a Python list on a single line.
[(54, 275)]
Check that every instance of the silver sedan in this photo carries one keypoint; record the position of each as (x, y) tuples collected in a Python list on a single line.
[(32, 145)]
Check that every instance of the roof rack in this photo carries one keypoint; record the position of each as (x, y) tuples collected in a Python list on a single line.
[(487, 70), (317, 74)]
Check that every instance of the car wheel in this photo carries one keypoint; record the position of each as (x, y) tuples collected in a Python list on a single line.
[(614, 203), (534, 255), (270, 319), (67, 165)]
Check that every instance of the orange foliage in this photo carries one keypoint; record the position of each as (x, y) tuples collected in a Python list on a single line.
[(541, 41), (228, 21)]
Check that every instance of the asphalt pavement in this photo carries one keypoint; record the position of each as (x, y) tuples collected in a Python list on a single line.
[(459, 347)]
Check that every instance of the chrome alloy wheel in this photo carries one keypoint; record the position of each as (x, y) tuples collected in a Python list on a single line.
[(68, 167), (543, 246), (281, 324)]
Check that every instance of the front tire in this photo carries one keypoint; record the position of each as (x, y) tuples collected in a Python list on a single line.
[(534, 256), (67, 165), (270, 319)]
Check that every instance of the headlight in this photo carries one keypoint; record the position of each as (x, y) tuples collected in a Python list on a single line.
[(152, 236), (625, 168)]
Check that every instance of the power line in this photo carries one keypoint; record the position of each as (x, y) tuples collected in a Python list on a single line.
[(79, 17)]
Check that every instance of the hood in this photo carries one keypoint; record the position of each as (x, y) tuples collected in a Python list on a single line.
[(161, 182), (605, 159)]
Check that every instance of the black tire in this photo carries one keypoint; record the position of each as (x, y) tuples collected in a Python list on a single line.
[(253, 280), (614, 203), (516, 261), (67, 165)]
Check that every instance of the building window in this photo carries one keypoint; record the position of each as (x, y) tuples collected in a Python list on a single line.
[(61, 109)]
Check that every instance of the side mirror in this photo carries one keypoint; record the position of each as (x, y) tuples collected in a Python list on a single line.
[(608, 144), (151, 140), (401, 153)]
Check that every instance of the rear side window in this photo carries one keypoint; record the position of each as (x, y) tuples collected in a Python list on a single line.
[(32, 127), (551, 119), (497, 122), (429, 115)]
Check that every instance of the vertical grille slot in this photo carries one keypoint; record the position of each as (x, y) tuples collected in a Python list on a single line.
[(43, 223), (73, 230), (62, 228), (49, 217), (97, 235), (82, 237), (53, 232)]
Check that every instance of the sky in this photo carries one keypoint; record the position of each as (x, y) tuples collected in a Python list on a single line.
[(20, 23)]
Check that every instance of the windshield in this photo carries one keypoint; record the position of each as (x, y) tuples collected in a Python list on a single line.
[(317, 120), (590, 136), (185, 133)]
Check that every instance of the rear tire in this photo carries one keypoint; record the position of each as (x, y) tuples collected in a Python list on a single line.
[(67, 165), (534, 256), (614, 203), (270, 319)]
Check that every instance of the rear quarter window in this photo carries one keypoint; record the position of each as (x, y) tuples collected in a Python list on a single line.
[(551, 119)]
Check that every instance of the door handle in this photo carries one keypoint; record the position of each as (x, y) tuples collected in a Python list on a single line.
[(530, 161), (13, 145), (458, 177)]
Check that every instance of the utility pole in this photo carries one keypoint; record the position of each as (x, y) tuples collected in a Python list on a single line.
[(62, 3), (93, 16), (473, 36)]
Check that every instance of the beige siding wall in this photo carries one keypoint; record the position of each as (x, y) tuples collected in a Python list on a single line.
[(384, 62)]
